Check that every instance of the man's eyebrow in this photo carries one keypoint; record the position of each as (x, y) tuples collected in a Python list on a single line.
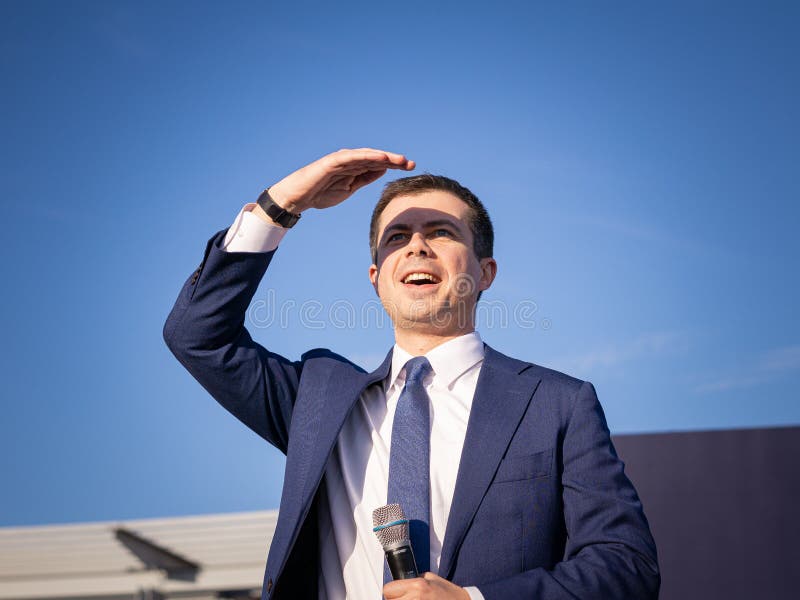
[(440, 222)]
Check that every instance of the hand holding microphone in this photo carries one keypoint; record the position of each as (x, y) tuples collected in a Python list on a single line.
[(391, 528)]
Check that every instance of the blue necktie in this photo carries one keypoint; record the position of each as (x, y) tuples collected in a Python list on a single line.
[(409, 461)]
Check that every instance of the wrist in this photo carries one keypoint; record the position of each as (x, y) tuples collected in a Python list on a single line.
[(274, 211), (285, 201)]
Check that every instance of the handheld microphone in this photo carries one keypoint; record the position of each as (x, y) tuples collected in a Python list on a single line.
[(391, 528)]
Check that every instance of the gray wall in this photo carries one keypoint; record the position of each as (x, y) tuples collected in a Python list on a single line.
[(723, 507)]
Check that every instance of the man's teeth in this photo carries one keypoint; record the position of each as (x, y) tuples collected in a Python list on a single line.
[(420, 277)]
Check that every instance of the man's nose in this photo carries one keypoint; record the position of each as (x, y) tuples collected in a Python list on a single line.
[(419, 245)]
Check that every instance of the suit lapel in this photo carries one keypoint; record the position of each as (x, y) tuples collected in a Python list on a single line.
[(501, 399), (322, 419), (342, 392)]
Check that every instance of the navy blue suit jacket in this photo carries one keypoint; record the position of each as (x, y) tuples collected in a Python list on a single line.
[(542, 508)]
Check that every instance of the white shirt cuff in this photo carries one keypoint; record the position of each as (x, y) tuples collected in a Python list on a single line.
[(250, 233), (474, 593)]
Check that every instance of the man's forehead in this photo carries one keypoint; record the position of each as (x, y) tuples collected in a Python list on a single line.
[(430, 205)]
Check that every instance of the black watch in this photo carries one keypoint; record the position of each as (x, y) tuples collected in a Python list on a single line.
[(281, 216)]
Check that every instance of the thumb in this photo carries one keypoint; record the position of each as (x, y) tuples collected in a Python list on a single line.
[(367, 178)]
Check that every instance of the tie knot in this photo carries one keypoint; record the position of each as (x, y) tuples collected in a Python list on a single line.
[(416, 369)]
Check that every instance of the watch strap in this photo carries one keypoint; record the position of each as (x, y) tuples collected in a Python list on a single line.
[(281, 216)]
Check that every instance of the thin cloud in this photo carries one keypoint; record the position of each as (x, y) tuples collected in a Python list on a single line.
[(730, 383), (770, 366), (781, 359), (619, 353)]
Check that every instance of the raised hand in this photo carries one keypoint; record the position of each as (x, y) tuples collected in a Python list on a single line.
[(334, 178)]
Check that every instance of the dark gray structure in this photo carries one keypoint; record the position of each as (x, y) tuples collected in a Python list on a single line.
[(723, 508)]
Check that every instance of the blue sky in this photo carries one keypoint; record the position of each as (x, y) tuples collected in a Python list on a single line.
[(639, 162)]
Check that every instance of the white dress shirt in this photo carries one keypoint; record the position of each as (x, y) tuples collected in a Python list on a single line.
[(357, 475)]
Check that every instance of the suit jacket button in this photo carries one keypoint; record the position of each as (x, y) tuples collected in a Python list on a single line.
[(269, 585)]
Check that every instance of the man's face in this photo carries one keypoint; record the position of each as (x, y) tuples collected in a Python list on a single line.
[(428, 276)]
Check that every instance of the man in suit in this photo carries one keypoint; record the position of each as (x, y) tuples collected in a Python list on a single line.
[(512, 469)]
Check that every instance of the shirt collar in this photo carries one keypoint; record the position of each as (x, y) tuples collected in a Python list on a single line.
[(448, 360)]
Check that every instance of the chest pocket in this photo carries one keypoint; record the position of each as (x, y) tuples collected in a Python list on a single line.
[(516, 468)]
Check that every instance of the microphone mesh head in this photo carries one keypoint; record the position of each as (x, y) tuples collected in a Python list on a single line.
[(389, 536)]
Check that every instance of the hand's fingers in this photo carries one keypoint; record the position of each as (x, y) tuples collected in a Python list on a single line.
[(366, 178), (362, 170), (359, 169), (392, 156), (400, 587), (445, 588), (352, 182), (345, 156), (367, 165), (367, 157)]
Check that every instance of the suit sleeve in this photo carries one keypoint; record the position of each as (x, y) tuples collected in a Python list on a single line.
[(609, 552), (206, 333)]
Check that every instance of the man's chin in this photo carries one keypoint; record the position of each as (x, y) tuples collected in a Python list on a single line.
[(434, 322)]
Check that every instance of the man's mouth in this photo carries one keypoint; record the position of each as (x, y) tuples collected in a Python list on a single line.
[(420, 279)]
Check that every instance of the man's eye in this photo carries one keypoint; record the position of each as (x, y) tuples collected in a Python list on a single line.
[(396, 236), (441, 232)]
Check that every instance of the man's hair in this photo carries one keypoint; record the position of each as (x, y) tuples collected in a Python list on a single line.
[(478, 219)]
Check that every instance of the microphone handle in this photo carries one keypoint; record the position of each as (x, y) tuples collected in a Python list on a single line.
[(401, 562)]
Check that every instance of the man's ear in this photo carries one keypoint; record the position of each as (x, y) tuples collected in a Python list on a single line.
[(373, 277), (488, 273)]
